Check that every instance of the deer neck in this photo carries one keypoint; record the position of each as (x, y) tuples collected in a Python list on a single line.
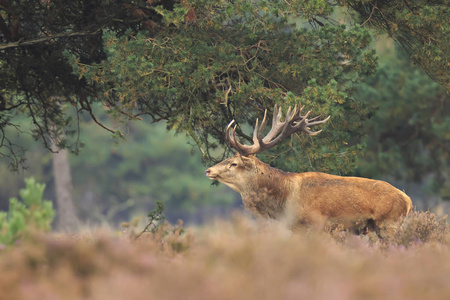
[(266, 192)]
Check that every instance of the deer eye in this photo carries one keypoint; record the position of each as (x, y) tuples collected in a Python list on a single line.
[(233, 165)]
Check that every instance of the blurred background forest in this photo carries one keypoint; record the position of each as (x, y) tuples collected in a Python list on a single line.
[(113, 182), (166, 110)]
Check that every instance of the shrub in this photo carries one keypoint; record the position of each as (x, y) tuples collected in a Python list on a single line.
[(418, 228), (30, 214), (421, 227), (172, 238)]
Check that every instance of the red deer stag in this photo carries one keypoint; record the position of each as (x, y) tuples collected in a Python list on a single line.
[(313, 199)]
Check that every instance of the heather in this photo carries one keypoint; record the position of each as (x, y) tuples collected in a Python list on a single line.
[(239, 258)]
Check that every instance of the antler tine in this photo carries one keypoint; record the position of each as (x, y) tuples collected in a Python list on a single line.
[(257, 134), (255, 131), (298, 116), (317, 122), (314, 118), (304, 124), (229, 136), (276, 115), (291, 116), (300, 110), (227, 133), (264, 122), (235, 143), (277, 125), (261, 129), (307, 115)]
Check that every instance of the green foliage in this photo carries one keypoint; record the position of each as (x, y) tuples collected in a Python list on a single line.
[(31, 214), (421, 27), (36, 78), (197, 64), (232, 61), (407, 139)]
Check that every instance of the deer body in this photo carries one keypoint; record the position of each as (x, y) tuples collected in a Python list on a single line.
[(312, 198)]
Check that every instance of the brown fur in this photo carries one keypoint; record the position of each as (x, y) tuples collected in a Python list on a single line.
[(312, 198)]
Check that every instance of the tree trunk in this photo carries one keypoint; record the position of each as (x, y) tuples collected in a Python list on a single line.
[(67, 219)]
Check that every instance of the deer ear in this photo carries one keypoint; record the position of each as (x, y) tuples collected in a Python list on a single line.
[(248, 161)]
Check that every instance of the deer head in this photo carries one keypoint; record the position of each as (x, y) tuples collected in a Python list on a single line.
[(236, 172)]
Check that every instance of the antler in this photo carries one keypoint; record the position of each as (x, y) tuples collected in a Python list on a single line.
[(293, 122)]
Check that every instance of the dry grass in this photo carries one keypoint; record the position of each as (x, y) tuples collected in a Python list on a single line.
[(232, 260)]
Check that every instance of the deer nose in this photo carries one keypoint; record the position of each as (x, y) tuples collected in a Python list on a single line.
[(207, 172)]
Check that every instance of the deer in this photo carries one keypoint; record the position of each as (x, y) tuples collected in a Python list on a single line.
[(309, 199)]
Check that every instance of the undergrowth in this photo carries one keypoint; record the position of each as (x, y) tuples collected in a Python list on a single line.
[(236, 259), (421, 227), (418, 228)]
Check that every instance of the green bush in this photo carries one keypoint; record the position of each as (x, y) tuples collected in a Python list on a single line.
[(30, 214)]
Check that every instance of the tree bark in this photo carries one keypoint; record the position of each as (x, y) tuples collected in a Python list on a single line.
[(67, 219)]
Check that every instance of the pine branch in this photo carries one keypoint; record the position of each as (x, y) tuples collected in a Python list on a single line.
[(22, 43)]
